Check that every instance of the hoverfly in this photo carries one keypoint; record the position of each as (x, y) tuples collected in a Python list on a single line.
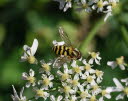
[(65, 52)]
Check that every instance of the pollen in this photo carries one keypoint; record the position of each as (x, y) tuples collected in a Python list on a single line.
[(65, 76), (89, 79), (100, 4), (93, 54), (31, 59), (31, 79), (83, 94), (87, 67), (40, 93), (98, 73), (120, 60), (126, 90), (46, 67), (77, 69), (95, 87), (46, 81), (75, 82), (104, 92), (67, 89), (93, 98)]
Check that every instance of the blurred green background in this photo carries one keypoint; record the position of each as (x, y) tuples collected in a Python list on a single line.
[(23, 20)]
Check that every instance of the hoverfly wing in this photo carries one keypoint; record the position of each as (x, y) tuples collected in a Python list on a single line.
[(60, 61), (64, 37)]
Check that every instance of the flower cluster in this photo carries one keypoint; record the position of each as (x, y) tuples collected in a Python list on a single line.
[(74, 81), (104, 6)]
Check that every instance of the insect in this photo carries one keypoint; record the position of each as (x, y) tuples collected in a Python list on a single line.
[(66, 52)]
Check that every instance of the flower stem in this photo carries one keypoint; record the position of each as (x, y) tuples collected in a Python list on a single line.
[(91, 35)]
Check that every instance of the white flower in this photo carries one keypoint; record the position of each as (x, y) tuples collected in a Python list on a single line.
[(29, 52), (89, 79), (88, 68), (40, 93), (113, 3), (45, 67), (65, 75), (106, 93), (95, 57), (120, 88), (46, 81), (72, 98), (95, 89), (66, 89), (99, 75), (59, 98), (119, 62), (99, 6), (92, 2), (93, 97), (64, 4), (125, 80), (30, 78), (74, 82), (83, 5), (76, 69), (15, 97), (107, 15), (83, 93)]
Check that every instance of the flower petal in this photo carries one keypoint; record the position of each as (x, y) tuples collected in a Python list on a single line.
[(31, 72), (122, 67), (120, 96), (113, 64), (118, 84), (34, 47), (27, 49), (25, 76)]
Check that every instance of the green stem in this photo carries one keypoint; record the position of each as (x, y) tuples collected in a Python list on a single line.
[(91, 35), (124, 35)]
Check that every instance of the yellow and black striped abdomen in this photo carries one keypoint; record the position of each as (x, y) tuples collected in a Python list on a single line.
[(62, 50)]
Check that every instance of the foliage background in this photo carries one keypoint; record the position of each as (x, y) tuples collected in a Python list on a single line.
[(23, 20)]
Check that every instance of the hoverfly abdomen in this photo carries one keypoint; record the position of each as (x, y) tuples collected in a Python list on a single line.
[(62, 50)]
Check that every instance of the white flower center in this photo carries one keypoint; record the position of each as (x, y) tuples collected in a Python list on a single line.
[(93, 55), (77, 69), (40, 93), (93, 98), (87, 67), (31, 79), (98, 73), (103, 92), (100, 4), (95, 87), (65, 76), (46, 81), (75, 82), (89, 79), (120, 60), (67, 89), (126, 90), (46, 67), (31, 59), (83, 94)]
